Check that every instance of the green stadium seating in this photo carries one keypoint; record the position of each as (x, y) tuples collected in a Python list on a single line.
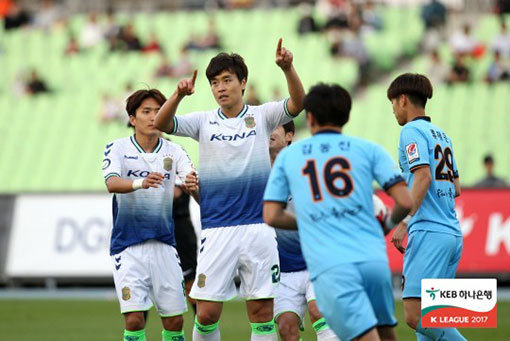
[(54, 142)]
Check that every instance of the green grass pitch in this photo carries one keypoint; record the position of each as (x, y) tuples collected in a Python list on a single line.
[(59, 320)]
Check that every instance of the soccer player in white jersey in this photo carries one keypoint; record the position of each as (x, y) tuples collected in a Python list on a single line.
[(234, 167), (140, 170), (295, 293)]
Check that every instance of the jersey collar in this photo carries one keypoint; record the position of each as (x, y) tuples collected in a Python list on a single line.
[(426, 118), (328, 131), (239, 115), (140, 149)]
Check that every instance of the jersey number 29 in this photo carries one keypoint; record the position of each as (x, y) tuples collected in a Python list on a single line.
[(336, 168)]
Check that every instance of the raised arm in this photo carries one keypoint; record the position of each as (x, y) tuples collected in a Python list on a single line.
[(297, 93), (164, 120)]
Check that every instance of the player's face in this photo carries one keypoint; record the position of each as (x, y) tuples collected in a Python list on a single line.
[(144, 119), (398, 110), (227, 89), (279, 139)]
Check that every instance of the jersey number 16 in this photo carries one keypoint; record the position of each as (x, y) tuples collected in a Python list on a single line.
[(336, 168)]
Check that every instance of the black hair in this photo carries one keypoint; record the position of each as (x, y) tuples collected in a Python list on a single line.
[(289, 127), (415, 86), (227, 62), (328, 104), (134, 101), (488, 159)]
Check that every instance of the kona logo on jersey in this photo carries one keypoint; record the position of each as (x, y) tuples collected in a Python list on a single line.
[(130, 157), (144, 174), (412, 152), (221, 137)]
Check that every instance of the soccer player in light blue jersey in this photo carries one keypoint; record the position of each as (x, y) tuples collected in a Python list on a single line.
[(234, 168), (295, 294), (428, 163), (141, 170), (330, 177)]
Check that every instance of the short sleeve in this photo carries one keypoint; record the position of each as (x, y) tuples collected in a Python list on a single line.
[(112, 162), (276, 114), (415, 148), (184, 165), (277, 188), (385, 170), (455, 169), (188, 125)]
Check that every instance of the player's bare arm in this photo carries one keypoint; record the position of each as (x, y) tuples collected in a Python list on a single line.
[(275, 215), (456, 182), (164, 120), (116, 184), (421, 184), (284, 59), (403, 204), (191, 186)]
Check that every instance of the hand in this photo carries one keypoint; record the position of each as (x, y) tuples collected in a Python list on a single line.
[(186, 87), (399, 236), (283, 56), (153, 180), (191, 182)]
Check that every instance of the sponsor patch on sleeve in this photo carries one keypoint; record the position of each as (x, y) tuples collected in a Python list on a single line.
[(412, 152)]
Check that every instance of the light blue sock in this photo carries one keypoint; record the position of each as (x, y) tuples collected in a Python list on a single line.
[(439, 334)]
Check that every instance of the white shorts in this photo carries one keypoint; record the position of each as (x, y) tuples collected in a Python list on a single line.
[(294, 293), (249, 249), (149, 272)]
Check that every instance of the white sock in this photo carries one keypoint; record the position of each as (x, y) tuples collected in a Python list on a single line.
[(267, 337), (213, 336), (327, 335)]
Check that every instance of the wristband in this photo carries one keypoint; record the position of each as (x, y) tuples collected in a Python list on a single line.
[(137, 184), (407, 219)]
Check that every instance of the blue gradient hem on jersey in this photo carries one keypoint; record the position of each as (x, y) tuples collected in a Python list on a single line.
[(289, 251)]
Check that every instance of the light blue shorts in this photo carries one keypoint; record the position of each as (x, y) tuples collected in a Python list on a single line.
[(429, 255), (356, 297)]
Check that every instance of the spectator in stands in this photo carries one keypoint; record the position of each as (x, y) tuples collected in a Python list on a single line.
[(353, 46), (210, 41), (112, 28), (434, 15), (111, 110), (153, 44), (164, 69), (16, 17), (336, 12), (92, 33), (459, 72), (183, 66), (131, 41), (252, 97), (371, 20), (306, 23), (437, 71), (5, 6), (499, 70), (36, 85), (502, 7), (47, 15), (463, 42), (490, 180), (501, 42), (72, 46)]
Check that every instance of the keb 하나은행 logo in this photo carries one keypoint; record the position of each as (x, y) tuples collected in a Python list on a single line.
[(459, 303)]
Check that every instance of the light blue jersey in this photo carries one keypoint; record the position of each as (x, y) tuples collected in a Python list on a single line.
[(422, 143), (330, 177)]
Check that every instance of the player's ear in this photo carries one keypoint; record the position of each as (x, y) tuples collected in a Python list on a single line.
[(243, 84), (132, 120)]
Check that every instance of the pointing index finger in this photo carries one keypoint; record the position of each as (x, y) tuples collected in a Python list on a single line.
[(194, 77), (279, 46)]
